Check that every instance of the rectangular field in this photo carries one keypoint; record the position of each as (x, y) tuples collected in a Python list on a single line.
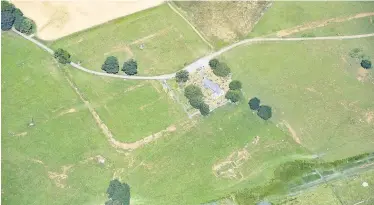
[(317, 89), (169, 42)]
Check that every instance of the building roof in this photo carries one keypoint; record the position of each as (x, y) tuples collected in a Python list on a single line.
[(211, 85)]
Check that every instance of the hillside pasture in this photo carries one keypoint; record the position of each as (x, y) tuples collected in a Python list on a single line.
[(169, 42), (131, 109), (285, 15), (318, 92)]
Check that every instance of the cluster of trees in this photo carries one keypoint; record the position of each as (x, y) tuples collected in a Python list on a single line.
[(219, 69), (62, 56), (111, 65), (195, 97), (234, 94), (182, 76), (118, 193), (10, 15), (263, 111)]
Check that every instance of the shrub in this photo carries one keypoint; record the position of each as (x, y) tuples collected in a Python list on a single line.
[(192, 91), (235, 85), (233, 95), (213, 63), (7, 20), (182, 76), (264, 112), (110, 65), (222, 70), (130, 67), (254, 103), (196, 102), (118, 192), (366, 64), (62, 56), (204, 109), (24, 25)]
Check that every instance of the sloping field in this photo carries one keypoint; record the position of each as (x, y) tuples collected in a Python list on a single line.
[(318, 92), (222, 22), (285, 15), (169, 42), (55, 19), (39, 162), (131, 109)]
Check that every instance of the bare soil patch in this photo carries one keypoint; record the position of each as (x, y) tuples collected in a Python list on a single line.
[(60, 178), (292, 131), (71, 110), (55, 19), (362, 74), (149, 37), (317, 24)]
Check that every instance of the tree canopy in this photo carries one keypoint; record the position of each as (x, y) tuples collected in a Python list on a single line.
[(213, 63), (192, 91), (118, 192), (62, 56), (235, 85), (222, 70), (366, 64), (196, 102), (111, 65), (233, 95), (204, 109), (254, 103), (7, 20), (24, 25), (264, 112), (7, 6), (182, 76), (130, 67)]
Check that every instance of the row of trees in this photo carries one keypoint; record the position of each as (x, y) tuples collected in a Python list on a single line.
[(12, 16), (195, 97), (234, 94), (111, 65), (263, 111), (219, 69)]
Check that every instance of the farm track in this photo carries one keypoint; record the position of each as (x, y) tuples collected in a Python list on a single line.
[(198, 63)]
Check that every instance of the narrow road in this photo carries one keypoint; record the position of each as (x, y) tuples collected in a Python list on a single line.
[(198, 63)]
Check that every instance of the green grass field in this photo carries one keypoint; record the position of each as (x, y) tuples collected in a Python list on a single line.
[(131, 109), (353, 27), (33, 87), (314, 86), (169, 42), (284, 15)]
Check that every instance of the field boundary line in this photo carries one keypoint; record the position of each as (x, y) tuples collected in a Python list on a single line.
[(199, 62), (190, 24)]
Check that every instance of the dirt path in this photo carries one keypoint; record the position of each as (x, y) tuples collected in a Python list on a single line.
[(293, 132), (322, 23)]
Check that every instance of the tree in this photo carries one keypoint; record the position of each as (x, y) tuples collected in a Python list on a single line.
[(62, 56), (222, 70), (196, 102), (264, 112), (204, 109), (366, 64), (110, 65), (233, 95), (235, 85), (192, 91), (7, 20), (254, 103), (24, 25), (213, 63), (182, 76), (130, 67), (118, 192), (7, 6)]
